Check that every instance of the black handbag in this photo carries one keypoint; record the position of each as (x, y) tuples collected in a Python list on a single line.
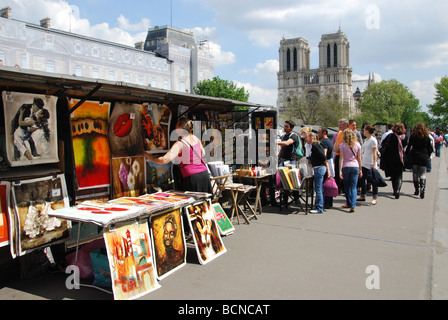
[(408, 159)]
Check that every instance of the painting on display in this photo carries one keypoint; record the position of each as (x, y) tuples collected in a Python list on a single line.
[(156, 121), (34, 201), (225, 225), (158, 176), (206, 236), (91, 150), (4, 203), (30, 128), (169, 242), (128, 176), (125, 127), (130, 260)]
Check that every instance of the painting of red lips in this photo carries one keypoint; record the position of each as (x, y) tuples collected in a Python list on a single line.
[(123, 125)]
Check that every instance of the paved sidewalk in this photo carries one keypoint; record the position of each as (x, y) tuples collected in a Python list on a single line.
[(287, 256)]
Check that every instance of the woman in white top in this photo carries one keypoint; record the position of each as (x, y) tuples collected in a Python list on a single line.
[(369, 161)]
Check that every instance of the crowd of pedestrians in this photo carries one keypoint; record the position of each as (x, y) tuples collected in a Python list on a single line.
[(354, 158)]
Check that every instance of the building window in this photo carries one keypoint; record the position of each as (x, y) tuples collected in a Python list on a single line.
[(78, 71), (95, 73), (335, 55), (154, 83), (95, 52), (183, 87), (182, 73), (295, 59), (112, 75), (288, 60), (50, 66), (78, 48), (24, 61), (328, 56), (165, 84), (127, 78), (140, 80)]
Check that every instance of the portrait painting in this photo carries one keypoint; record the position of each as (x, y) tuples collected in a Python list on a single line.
[(206, 236), (130, 259), (30, 128), (89, 123), (156, 121), (169, 242), (5, 206), (34, 201), (124, 132), (128, 176)]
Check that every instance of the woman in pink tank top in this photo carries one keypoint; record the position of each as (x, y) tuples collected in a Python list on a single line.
[(188, 152)]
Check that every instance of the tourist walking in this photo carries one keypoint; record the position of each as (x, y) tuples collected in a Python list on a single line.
[(419, 150), (392, 157), (350, 167), (369, 163), (343, 124), (319, 162)]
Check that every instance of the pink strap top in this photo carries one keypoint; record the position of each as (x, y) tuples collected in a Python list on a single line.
[(189, 162)]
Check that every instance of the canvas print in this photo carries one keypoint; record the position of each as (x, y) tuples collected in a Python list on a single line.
[(156, 121), (34, 201), (225, 225), (125, 127), (206, 236), (4, 204), (169, 242), (128, 176), (158, 176), (30, 128), (90, 144), (130, 260)]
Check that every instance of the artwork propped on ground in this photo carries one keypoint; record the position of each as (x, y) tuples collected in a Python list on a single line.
[(169, 242), (225, 225), (34, 201), (30, 128), (130, 260), (206, 236), (89, 124)]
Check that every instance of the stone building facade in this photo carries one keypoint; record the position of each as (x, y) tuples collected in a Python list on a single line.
[(173, 65), (296, 78)]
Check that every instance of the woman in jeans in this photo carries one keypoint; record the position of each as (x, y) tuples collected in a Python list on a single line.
[(369, 161), (350, 167), (320, 167), (420, 150)]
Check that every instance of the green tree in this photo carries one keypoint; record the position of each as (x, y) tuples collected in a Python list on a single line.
[(316, 111), (440, 107), (389, 101), (218, 87)]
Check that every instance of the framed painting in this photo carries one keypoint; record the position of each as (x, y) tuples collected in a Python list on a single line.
[(206, 236), (30, 128), (158, 176), (124, 132), (169, 242), (156, 121), (225, 225), (4, 204), (34, 201), (130, 259), (91, 150), (128, 176)]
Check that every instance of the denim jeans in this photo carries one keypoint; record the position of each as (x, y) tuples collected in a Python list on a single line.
[(319, 173), (350, 176)]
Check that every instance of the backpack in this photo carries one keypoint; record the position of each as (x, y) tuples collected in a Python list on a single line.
[(298, 151)]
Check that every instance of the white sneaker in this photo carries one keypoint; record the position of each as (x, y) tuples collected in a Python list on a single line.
[(315, 211)]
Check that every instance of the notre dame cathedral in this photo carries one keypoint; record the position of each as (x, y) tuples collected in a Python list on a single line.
[(296, 78)]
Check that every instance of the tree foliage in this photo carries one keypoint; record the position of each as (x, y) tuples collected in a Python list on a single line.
[(320, 111), (389, 101), (440, 107), (218, 87)]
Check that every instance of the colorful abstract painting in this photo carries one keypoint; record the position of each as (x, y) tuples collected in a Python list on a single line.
[(156, 128), (206, 236), (4, 204), (225, 225), (125, 127), (34, 201), (169, 242), (30, 128), (89, 125), (128, 176), (130, 260)]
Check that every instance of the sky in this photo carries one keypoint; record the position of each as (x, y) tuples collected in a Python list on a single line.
[(402, 40)]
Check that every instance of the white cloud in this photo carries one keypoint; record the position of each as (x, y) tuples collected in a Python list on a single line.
[(425, 90), (259, 95), (222, 58)]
